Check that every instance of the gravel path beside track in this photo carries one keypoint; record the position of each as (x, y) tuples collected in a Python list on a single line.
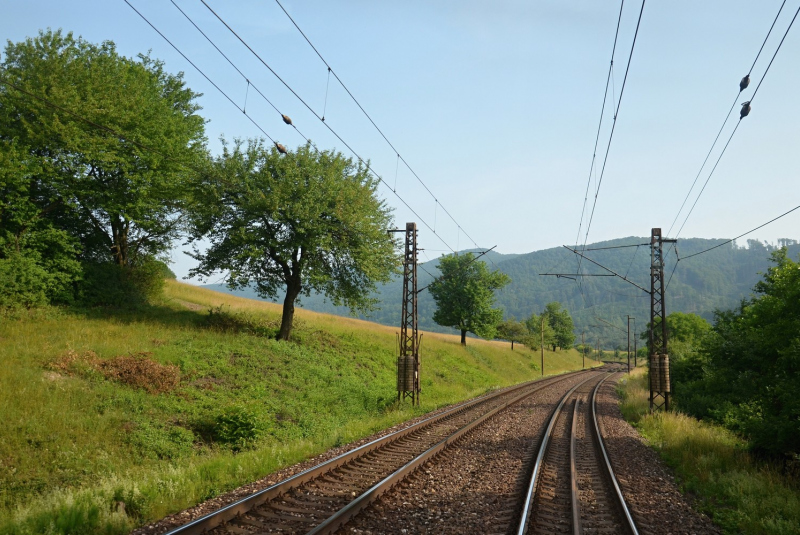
[(656, 504)]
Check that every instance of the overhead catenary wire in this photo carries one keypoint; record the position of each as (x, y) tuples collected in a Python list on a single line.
[(614, 123), (367, 115), (727, 117), (611, 137), (741, 235), (600, 123), (363, 162), (200, 71), (614, 247)]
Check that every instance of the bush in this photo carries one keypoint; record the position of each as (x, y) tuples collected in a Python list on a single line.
[(23, 283), (237, 427), (107, 284)]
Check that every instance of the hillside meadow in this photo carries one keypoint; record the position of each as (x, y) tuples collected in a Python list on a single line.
[(113, 418)]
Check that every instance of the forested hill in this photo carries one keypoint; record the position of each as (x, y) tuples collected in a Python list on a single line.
[(718, 279)]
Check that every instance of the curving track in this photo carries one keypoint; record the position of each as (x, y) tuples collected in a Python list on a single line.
[(573, 488)]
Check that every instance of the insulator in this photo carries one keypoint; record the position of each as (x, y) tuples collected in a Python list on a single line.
[(745, 110), (744, 83), (286, 119), (280, 148)]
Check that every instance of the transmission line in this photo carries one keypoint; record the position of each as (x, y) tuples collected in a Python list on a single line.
[(610, 137), (360, 159), (743, 234), (364, 162), (614, 124), (399, 156), (742, 86), (600, 123)]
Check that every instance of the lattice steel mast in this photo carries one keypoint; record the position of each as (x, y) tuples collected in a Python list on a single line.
[(659, 358)]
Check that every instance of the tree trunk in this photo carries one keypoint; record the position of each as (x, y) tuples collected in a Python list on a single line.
[(463, 337), (512, 345), (292, 291)]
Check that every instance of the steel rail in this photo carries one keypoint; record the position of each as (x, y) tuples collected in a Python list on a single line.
[(526, 511), (610, 471), (232, 510), (577, 529)]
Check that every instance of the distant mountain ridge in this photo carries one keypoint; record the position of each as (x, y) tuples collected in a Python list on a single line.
[(719, 279)]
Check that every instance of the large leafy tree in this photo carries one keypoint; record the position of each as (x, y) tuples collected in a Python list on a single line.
[(540, 332), (464, 295), (101, 184), (561, 323), (513, 331), (304, 221)]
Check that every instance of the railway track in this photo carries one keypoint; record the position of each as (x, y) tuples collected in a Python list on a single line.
[(572, 487), (324, 498)]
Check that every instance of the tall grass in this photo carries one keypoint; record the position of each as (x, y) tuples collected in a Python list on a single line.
[(740, 493), (81, 452)]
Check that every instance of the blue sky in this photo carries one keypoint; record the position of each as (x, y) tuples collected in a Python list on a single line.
[(495, 105)]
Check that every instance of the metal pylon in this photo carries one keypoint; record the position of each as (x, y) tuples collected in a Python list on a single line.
[(659, 357), (408, 361)]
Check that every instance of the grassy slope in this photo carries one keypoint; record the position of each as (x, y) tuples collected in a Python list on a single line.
[(737, 492), (82, 454)]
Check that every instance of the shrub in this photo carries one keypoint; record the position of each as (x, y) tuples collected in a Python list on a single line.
[(237, 427), (107, 284)]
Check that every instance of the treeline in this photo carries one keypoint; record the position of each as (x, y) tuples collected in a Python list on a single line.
[(552, 328), (742, 371)]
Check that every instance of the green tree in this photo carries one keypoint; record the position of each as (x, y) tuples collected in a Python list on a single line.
[(464, 296), (38, 262), (306, 221), (539, 332), (120, 200), (561, 323), (513, 331), (746, 377)]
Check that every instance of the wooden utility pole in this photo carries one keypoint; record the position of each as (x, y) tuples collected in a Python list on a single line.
[(635, 364), (583, 348), (629, 345), (542, 345)]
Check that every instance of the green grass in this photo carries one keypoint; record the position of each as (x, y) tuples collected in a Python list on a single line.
[(741, 494), (82, 452)]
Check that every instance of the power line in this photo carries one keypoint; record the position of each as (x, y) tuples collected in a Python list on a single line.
[(368, 167), (741, 235), (364, 162), (399, 156), (714, 144), (775, 54), (600, 123), (614, 123), (614, 247)]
